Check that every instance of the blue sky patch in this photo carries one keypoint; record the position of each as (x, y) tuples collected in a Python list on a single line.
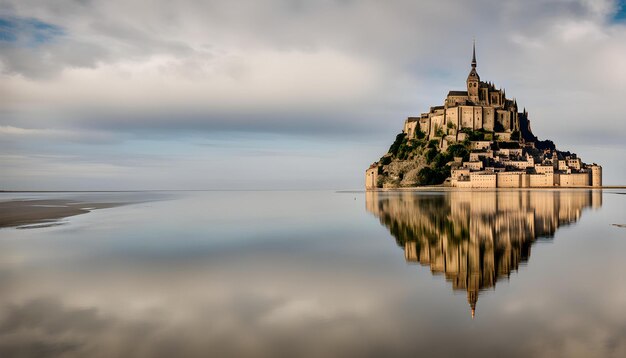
[(27, 31), (620, 15)]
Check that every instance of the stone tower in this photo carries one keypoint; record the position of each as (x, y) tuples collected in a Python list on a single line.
[(596, 175), (473, 80)]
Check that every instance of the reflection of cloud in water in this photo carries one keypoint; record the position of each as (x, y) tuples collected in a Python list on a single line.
[(43, 327), (476, 237), (296, 284), (246, 326), (191, 309)]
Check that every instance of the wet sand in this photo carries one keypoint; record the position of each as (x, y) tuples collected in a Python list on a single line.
[(45, 212)]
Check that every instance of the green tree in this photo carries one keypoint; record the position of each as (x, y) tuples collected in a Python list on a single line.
[(400, 138), (459, 150), (433, 176), (431, 154)]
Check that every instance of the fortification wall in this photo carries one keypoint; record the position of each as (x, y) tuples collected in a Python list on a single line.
[(488, 118), (452, 116), (541, 180), (467, 116), (425, 125), (478, 118), (573, 179), (509, 179), (409, 128), (483, 180), (436, 122)]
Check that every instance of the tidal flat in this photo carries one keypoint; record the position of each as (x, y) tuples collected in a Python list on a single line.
[(512, 273)]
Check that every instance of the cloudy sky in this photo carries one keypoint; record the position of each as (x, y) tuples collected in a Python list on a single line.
[(294, 94)]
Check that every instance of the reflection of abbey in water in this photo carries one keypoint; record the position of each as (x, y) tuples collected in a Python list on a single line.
[(474, 238)]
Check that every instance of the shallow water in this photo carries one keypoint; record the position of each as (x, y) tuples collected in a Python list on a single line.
[(321, 274)]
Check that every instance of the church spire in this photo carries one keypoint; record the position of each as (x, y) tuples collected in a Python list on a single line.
[(473, 80), (474, 54)]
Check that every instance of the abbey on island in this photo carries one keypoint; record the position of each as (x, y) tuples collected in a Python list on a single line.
[(477, 139)]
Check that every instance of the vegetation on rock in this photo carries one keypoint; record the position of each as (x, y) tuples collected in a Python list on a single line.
[(419, 162)]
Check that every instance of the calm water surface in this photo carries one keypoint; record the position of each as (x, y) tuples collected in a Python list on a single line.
[(316, 274)]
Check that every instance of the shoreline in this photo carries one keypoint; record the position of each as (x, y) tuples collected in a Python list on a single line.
[(450, 188), (22, 213)]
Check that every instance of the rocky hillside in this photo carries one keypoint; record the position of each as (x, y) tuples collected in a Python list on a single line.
[(413, 162)]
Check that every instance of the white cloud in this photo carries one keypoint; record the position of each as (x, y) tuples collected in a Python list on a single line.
[(320, 69), (261, 79), (8, 133)]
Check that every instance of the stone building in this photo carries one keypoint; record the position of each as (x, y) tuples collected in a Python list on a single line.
[(371, 178), (481, 106), (503, 150)]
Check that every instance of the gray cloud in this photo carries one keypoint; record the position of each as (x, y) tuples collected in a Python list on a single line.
[(326, 69), (398, 32)]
